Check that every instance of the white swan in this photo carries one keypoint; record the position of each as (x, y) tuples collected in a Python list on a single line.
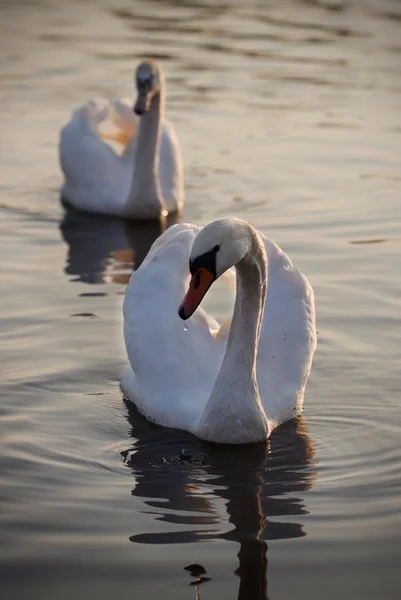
[(146, 181), (229, 384)]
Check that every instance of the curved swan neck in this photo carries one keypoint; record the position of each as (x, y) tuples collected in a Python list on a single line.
[(234, 413), (145, 199), (244, 333)]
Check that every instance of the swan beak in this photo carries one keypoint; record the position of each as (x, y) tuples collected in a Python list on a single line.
[(199, 285), (143, 101)]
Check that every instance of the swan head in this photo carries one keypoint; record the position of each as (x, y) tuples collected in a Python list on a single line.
[(148, 79), (217, 247)]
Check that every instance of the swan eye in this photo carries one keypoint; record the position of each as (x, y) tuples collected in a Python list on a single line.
[(216, 248)]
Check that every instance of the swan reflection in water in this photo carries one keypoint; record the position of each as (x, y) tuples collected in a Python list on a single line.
[(104, 249), (180, 475)]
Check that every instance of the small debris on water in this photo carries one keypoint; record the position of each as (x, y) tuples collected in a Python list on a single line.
[(195, 570), (92, 295)]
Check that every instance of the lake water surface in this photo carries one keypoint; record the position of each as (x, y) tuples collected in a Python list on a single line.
[(289, 115)]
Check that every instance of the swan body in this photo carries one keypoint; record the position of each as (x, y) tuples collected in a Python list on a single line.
[(228, 384), (146, 180)]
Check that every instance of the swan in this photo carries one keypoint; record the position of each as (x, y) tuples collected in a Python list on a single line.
[(146, 180), (231, 384)]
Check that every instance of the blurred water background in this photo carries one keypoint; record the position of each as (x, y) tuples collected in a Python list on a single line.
[(289, 115)]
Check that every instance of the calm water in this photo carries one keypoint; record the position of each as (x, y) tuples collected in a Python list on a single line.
[(289, 115)]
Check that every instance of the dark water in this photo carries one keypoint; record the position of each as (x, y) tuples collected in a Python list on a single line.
[(289, 115)]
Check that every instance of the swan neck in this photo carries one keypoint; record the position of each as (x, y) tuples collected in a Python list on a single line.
[(234, 413), (244, 333), (145, 199)]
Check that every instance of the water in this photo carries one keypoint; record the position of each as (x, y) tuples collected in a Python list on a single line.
[(288, 115)]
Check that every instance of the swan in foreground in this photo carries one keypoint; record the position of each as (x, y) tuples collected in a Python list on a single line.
[(231, 384), (146, 181)]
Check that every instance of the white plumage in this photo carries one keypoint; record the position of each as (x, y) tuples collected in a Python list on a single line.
[(146, 180), (203, 380)]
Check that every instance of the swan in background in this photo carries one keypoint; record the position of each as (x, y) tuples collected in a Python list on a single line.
[(230, 384), (146, 180)]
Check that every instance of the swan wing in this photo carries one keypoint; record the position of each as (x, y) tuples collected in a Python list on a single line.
[(172, 367), (288, 337), (95, 179), (125, 123)]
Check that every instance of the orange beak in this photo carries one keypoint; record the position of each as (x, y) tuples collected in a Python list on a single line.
[(199, 285)]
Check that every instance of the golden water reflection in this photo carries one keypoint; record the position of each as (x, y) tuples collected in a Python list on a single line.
[(103, 249), (183, 480)]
